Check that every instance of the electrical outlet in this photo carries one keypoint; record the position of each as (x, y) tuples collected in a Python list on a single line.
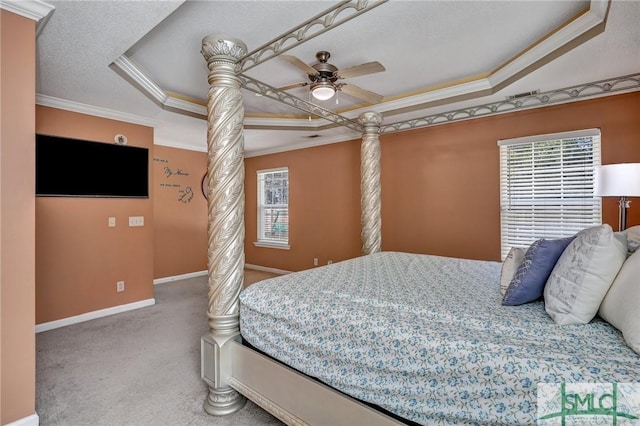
[(120, 286), (112, 222), (315, 261), (136, 220), (329, 262)]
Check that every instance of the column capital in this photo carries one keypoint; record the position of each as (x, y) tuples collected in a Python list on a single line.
[(370, 119), (223, 48)]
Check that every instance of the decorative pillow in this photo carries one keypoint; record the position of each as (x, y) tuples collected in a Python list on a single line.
[(621, 305), (509, 267), (583, 274), (528, 282), (633, 238)]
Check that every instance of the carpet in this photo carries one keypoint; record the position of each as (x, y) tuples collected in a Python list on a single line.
[(138, 368)]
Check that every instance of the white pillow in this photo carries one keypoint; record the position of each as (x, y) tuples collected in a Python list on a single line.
[(621, 305), (583, 274), (509, 267), (633, 238)]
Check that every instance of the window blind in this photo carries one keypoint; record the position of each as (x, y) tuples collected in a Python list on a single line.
[(273, 206), (546, 187)]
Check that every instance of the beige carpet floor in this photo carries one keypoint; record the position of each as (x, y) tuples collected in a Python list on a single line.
[(135, 368)]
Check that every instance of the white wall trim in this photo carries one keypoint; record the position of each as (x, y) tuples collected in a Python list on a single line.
[(32, 9), (179, 277), (265, 269), (32, 420), (50, 101), (94, 315)]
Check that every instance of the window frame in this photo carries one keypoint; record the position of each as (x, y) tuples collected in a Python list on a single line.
[(585, 211), (262, 240)]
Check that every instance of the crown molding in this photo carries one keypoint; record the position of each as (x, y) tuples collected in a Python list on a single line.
[(72, 106), (35, 10), (300, 145), (32, 9), (135, 75), (173, 144)]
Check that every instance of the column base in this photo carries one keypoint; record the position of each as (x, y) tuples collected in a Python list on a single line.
[(221, 402)]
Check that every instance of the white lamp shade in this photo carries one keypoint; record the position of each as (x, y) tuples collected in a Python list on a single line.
[(617, 180), (323, 91)]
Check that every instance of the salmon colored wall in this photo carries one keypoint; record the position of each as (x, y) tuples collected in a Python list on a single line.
[(79, 258), (17, 218), (179, 212), (324, 206), (440, 185)]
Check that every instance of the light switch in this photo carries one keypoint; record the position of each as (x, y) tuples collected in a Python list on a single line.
[(112, 222), (136, 220)]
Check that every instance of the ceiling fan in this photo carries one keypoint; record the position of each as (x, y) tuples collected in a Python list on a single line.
[(323, 78)]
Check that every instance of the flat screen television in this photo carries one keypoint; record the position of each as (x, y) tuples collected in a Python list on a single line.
[(68, 167)]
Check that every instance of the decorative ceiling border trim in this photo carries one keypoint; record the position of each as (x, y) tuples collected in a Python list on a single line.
[(565, 95), (35, 10), (50, 101), (322, 23)]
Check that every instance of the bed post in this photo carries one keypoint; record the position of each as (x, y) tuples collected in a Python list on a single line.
[(225, 255), (370, 222)]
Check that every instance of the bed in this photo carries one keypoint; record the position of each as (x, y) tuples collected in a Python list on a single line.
[(444, 350), (426, 338)]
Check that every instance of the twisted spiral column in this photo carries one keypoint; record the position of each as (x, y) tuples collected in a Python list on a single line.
[(370, 221), (225, 255)]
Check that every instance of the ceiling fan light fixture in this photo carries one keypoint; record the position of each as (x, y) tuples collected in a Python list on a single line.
[(323, 91)]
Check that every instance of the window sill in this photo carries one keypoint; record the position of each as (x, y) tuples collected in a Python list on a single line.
[(269, 244)]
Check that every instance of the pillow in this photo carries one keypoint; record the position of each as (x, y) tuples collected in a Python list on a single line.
[(621, 305), (583, 274), (528, 282), (509, 267), (633, 238)]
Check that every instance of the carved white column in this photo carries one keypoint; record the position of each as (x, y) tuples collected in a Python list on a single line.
[(225, 166), (370, 222)]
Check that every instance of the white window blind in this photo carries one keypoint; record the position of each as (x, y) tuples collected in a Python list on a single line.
[(273, 206), (546, 186)]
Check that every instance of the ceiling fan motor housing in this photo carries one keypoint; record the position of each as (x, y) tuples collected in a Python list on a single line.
[(326, 71)]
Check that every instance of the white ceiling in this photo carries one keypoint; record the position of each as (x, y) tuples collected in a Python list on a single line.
[(438, 55)]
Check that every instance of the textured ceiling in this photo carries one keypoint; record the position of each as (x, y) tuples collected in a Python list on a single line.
[(438, 55)]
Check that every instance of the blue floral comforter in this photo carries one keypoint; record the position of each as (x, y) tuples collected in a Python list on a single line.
[(426, 337)]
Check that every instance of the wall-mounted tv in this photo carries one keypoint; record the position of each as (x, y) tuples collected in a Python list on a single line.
[(68, 167)]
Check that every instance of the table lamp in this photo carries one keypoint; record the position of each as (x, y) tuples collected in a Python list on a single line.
[(618, 180)]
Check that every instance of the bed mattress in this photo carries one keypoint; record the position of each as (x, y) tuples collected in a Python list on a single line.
[(426, 338)]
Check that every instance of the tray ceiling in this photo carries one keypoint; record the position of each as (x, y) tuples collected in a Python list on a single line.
[(145, 58)]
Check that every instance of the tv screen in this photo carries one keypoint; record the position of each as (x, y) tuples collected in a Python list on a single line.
[(76, 168)]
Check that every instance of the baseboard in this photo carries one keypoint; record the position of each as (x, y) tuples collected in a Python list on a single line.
[(32, 420), (179, 277), (201, 273), (265, 269), (94, 315)]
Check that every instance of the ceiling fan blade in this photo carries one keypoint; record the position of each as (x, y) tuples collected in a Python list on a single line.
[(358, 92), (362, 69), (308, 69), (293, 86)]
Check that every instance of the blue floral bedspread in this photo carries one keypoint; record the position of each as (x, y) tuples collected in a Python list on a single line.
[(426, 338)]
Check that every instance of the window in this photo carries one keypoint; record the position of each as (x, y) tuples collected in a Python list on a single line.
[(273, 208), (546, 186)]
